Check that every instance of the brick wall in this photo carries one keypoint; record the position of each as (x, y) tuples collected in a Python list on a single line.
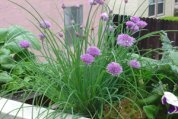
[(11, 14)]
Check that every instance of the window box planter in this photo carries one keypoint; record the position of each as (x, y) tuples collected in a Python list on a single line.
[(10, 109)]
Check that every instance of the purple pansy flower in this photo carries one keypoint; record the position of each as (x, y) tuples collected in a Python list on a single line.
[(45, 24), (94, 51), (173, 109), (125, 40), (87, 58), (104, 16), (24, 44), (141, 24), (172, 100), (134, 64), (114, 68)]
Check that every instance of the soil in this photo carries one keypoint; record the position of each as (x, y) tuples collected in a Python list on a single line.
[(124, 110)]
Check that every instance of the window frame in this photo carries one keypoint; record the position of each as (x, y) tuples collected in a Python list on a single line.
[(73, 19), (163, 2), (156, 4)]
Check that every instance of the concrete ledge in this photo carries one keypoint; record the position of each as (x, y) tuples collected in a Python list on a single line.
[(10, 109)]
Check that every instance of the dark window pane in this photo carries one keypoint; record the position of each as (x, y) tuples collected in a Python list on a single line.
[(175, 12), (160, 8), (151, 10)]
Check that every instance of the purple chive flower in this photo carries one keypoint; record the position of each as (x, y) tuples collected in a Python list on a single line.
[(110, 11), (126, 1), (42, 36), (60, 34), (45, 24), (135, 19), (114, 68), (24, 44), (72, 22), (100, 2), (77, 34), (94, 51), (92, 2), (104, 16), (172, 100), (87, 58), (141, 24), (63, 6), (125, 40), (111, 28), (81, 26), (130, 24), (134, 28), (134, 64)]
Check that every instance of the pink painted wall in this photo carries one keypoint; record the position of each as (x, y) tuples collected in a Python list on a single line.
[(11, 14)]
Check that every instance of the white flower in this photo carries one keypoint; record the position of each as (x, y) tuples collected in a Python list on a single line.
[(172, 100), (169, 98)]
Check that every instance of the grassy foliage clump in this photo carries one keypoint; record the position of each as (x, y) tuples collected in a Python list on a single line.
[(170, 18)]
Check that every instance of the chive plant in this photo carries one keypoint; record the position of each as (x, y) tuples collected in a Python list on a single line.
[(98, 71)]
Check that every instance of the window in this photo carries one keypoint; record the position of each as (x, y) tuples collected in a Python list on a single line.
[(176, 1), (156, 7), (73, 18)]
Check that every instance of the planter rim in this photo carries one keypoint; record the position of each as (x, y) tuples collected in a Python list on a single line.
[(10, 109)]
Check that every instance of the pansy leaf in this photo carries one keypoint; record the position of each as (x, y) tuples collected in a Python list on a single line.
[(13, 46), (4, 51), (5, 77), (6, 60), (16, 34), (8, 66), (18, 70), (3, 34), (151, 111), (174, 56)]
